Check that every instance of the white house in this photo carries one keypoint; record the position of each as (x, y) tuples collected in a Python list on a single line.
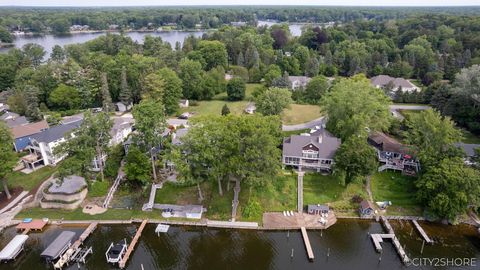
[(382, 81), (42, 145)]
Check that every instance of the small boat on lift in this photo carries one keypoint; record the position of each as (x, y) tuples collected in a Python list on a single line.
[(116, 251), (11, 251)]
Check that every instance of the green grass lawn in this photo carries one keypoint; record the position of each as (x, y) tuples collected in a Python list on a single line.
[(320, 189), (218, 207), (397, 188), (277, 195), (30, 181), (98, 188), (300, 113)]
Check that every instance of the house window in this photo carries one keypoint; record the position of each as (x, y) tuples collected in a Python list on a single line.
[(310, 154), (291, 160)]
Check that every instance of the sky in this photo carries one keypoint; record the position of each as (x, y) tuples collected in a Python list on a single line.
[(239, 2)]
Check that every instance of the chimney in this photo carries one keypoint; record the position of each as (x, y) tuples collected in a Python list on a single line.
[(320, 139)]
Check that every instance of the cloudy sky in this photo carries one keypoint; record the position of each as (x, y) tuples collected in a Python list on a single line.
[(238, 2)]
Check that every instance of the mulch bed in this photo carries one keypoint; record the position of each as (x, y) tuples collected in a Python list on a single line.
[(13, 191)]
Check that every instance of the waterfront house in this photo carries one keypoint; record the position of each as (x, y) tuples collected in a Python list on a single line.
[(317, 209), (310, 151), (393, 155), (298, 82), (395, 84), (42, 145), (366, 209), (22, 133)]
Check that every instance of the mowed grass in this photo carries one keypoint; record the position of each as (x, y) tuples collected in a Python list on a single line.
[(397, 188), (218, 207), (32, 180), (321, 189), (98, 188), (296, 114), (300, 113)]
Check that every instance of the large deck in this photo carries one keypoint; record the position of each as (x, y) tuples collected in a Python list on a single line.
[(34, 225), (277, 221)]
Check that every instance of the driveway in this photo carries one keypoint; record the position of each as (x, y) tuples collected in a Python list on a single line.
[(316, 122)]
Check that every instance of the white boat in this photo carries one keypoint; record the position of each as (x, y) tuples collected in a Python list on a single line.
[(115, 252), (162, 228), (13, 248)]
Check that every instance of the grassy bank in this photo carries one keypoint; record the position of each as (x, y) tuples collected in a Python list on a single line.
[(32, 180), (397, 188)]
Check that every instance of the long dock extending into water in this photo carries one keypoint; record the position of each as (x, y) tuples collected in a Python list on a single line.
[(378, 238), (422, 232), (131, 247), (308, 247)]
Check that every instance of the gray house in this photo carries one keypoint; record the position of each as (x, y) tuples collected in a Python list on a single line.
[(382, 81), (311, 151)]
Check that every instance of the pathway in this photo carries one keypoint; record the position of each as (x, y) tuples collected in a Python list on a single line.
[(236, 191), (151, 200), (300, 192), (369, 190), (115, 185), (14, 201)]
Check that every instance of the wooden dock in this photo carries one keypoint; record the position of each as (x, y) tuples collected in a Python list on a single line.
[(131, 247), (308, 247), (391, 234), (73, 252), (422, 232)]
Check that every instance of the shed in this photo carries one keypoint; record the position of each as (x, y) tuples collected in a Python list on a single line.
[(366, 209), (58, 246), (317, 209), (193, 211)]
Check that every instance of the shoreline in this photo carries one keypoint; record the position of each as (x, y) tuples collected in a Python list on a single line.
[(212, 223), (81, 32)]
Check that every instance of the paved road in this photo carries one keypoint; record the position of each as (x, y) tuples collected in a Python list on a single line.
[(409, 107)]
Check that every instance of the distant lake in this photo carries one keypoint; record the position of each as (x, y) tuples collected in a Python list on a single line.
[(295, 28), (48, 41)]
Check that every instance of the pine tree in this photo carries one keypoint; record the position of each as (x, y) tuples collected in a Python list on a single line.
[(225, 110), (107, 104), (125, 92)]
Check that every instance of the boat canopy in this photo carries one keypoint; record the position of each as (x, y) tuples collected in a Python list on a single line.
[(58, 246), (13, 248)]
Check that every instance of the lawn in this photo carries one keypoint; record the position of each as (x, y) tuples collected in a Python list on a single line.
[(397, 188), (98, 189), (218, 207), (277, 195), (321, 189), (30, 181), (297, 114), (300, 113)]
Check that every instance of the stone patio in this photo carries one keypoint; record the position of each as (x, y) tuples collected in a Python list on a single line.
[(276, 220)]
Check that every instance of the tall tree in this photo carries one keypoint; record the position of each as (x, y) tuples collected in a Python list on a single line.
[(153, 88), (65, 97), (236, 89), (107, 103), (449, 187), (125, 91), (355, 107), (89, 141), (355, 158), (7, 156), (150, 123), (434, 136), (172, 89), (136, 166), (273, 101), (213, 52), (316, 88), (191, 75)]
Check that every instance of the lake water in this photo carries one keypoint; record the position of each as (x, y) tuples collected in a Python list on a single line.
[(346, 242), (48, 41), (295, 28)]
